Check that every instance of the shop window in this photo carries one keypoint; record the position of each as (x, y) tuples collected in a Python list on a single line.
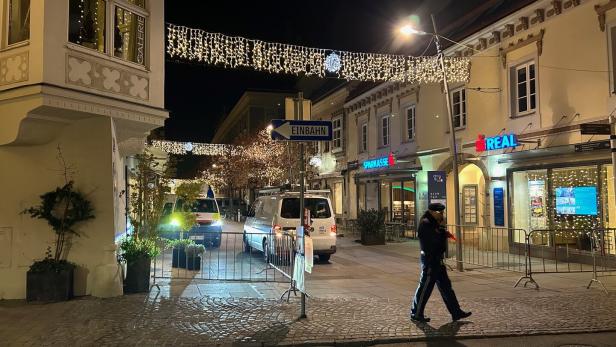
[(337, 133), (524, 89), (87, 24), (337, 197), (560, 199), (361, 196), (469, 199), (385, 131), (129, 36), (363, 145), (87, 27), (458, 105), (19, 21), (410, 123), (385, 199), (612, 55)]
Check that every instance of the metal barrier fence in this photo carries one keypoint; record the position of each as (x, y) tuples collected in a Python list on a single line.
[(394, 232), (490, 247), (227, 258), (569, 251)]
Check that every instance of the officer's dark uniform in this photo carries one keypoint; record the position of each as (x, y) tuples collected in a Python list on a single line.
[(433, 243)]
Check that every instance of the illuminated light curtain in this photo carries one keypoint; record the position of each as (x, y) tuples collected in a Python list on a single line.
[(233, 51)]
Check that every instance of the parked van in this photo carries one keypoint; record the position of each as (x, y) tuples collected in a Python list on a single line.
[(208, 230), (280, 214)]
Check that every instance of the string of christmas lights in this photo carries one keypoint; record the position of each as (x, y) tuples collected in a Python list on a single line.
[(233, 52), (206, 149)]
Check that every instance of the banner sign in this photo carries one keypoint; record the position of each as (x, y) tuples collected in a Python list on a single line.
[(499, 207), (437, 187)]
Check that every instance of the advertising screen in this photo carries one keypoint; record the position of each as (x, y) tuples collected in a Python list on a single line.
[(576, 200)]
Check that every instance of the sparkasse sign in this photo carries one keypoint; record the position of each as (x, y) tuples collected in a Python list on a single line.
[(381, 162), (484, 143)]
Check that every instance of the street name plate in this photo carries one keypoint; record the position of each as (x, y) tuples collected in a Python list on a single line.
[(592, 146), (301, 130), (595, 129)]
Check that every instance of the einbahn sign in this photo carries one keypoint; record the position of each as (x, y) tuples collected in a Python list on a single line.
[(301, 130)]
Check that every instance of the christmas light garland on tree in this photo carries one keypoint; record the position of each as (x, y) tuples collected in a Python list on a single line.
[(234, 52)]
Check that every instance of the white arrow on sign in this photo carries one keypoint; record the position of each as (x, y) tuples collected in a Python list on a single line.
[(284, 130)]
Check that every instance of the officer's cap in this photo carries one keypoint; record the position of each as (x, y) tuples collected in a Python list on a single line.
[(436, 206)]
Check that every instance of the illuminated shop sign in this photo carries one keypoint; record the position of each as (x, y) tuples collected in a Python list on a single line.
[(381, 162), (484, 143)]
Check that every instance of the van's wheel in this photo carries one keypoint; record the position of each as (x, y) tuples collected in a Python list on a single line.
[(266, 254), (246, 245), (324, 258)]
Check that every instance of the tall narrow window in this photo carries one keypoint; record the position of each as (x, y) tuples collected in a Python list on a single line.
[(19, 21), (410, 123), (612, 45), (525, 88), (385, 131), (87, 24), (364, 138), (129, 36), (337, 133), (458, 104)]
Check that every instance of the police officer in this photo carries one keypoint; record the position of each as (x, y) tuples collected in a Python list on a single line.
[(433, 242)]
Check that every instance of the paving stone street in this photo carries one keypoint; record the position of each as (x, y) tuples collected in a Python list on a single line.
[(361, 297), (155, 320)]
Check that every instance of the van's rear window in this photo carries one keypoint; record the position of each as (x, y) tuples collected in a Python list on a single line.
[(319, 208)]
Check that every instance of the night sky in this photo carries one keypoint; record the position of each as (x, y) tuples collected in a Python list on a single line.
[(198, 96)]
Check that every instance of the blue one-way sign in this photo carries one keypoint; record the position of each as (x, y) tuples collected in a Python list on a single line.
[(301, 130)]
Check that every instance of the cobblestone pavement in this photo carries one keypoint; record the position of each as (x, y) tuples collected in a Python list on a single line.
[(157, 320)]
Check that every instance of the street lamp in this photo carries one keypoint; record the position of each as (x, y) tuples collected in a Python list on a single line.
[(408, 30)]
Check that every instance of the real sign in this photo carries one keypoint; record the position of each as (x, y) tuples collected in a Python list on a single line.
[(381, 162), (301, 130), (484, 143)]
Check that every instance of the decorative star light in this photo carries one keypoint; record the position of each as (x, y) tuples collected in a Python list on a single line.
[(332, 63)]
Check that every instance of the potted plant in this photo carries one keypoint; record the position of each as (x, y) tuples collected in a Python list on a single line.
[(148, 186), (51, 279), (186, 254), (372, 227), (193, 256), (137, 253)]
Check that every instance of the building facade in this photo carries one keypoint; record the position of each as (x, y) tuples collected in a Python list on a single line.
[(253, 112), (330, 164), (85, 76), (538, 77)]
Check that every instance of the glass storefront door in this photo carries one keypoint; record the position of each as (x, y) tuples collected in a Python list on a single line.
[(403, 202)]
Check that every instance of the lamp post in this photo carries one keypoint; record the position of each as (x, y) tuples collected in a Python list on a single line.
[(409, 30)]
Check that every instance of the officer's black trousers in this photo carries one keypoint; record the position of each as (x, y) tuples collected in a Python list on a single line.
[(434, 274)]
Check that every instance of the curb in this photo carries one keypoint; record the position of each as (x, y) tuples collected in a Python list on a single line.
[(392, 340)]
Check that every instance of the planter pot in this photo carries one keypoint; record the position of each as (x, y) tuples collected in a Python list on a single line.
[(138, 276), (372, 238), (49, 286), (178, 258), (181, 260)]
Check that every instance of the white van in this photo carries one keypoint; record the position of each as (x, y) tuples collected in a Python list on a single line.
[(279, 213)]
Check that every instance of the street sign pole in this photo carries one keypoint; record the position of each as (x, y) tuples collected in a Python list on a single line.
[(297, 129), (302, 169), (613, 146)]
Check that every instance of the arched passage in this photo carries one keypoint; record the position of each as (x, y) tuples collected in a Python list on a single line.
[(474, 190)]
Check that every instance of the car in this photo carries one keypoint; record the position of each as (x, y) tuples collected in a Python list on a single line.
[(271, 216), (208, 229)]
